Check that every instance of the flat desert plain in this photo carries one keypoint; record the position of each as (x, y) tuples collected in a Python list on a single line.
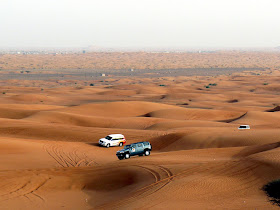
[(51, 121)]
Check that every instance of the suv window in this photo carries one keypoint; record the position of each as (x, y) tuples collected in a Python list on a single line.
[(108, 137), (146, 143), (140, 145)]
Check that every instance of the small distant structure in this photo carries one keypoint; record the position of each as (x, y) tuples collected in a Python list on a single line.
[(131, 69), (84, 51), (103, 75)]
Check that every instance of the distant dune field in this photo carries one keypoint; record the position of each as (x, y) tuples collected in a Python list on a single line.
[(50, 127), (142, 60)]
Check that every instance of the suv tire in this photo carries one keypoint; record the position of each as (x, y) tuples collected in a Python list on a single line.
[(127, 155), (108, 145), (147, 153), (120, 157), (121, 144)]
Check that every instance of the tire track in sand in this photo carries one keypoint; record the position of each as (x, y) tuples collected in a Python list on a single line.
[(229, 169), (27, 189), (161, 175), (65, 157)]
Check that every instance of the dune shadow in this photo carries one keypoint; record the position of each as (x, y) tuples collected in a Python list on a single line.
[(233, 119), (145, 115), (250, 150), (275, 109), (271, 189), (93, 144), (233, 101)]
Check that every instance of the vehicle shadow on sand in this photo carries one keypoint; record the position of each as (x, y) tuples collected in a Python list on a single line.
[(94, 144)]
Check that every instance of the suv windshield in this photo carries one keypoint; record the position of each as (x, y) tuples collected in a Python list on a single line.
[(127, 147), (108, 137)]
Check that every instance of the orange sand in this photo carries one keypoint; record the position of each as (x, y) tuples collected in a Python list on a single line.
[(49, 158)]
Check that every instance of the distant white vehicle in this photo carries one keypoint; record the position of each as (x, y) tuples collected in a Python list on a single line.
[(112, 140), (242, 127)]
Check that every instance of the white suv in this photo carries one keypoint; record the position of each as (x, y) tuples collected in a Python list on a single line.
[(244, 127), (112, 140)]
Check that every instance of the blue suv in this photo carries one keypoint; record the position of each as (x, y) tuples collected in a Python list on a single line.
[(139, 148)]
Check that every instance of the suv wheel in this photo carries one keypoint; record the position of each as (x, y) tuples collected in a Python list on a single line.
[(120, 157), (127, 155), (121, 144), (108, 145), (147, 153)]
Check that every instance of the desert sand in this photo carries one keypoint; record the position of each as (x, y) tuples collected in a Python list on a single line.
[(50, 127)]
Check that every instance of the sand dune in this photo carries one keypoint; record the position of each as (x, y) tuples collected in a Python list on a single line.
[(173, 124), (50, 158), (30, 98), (199, 138), (194, 114), (18, 154), (136, 183), (93, 121), (259, 118), (61, 132), (118, 93), (117, 109), (252, 150), (15, 111)]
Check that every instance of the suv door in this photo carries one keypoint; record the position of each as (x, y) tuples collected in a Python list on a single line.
[(133, 150), (115, 142), (139, 148)]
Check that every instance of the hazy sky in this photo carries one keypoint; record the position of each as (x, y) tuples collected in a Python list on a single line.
[(140, 23)]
